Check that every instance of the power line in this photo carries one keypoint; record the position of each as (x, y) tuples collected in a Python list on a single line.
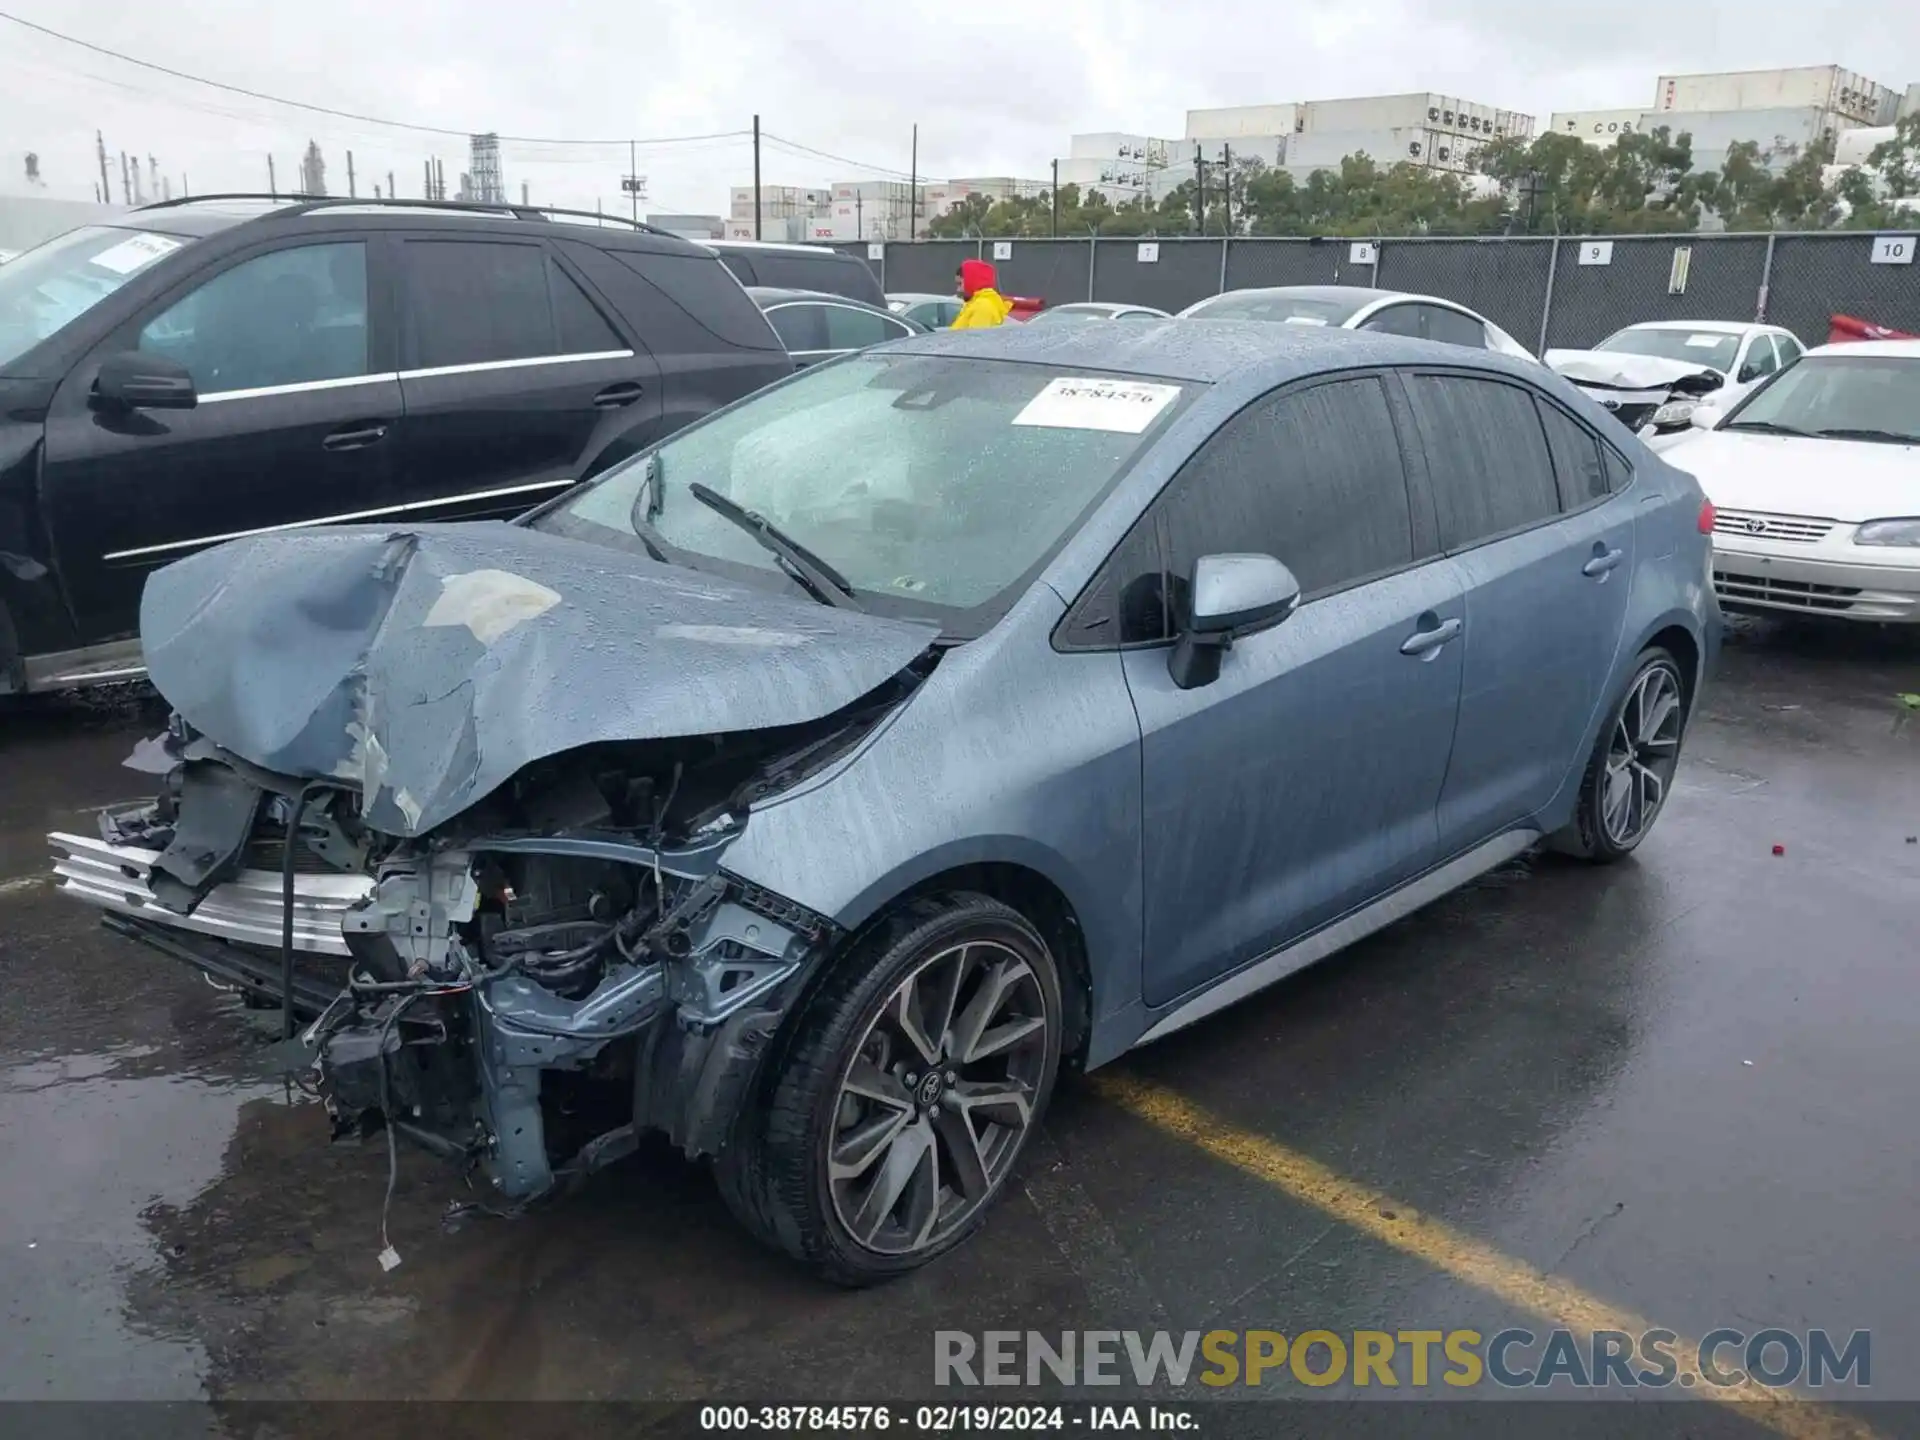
[(341, 114), (838, 159)]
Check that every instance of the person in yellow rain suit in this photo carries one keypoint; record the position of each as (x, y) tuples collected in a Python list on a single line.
[(985, 305)]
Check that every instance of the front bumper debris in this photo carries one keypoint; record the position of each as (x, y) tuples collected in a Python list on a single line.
[(245, 909)]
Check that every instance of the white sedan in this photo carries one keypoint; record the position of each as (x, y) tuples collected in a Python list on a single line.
[(1352, 307), (1815, 483), (1641, 373)]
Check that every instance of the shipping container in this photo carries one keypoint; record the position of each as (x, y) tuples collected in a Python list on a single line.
[(1235, 121), (1597, 127), (1417, 145), (1854, 146), (1784, 131), (1816, 87), (1119, 145), (1909, 103)]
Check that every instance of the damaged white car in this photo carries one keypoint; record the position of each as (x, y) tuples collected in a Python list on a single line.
[(1652, 375)]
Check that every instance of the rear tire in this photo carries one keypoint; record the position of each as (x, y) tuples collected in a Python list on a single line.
[(908, 1091), (1631, 771)]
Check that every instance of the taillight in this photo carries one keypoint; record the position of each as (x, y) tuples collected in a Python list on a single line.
[(1707, 517)]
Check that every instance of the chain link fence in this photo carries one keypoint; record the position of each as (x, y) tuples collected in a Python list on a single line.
[(1565, 293)]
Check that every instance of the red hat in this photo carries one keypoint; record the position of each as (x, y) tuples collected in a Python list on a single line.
[(975, 275)]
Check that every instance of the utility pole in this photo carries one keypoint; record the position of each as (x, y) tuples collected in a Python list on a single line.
[(106, 185), (426, 192), (1200, 187), (352, 194), (756, 177), (913, 188), (393, 192), (860, 214), (273, 184), (1226, 183), (1053, 230)]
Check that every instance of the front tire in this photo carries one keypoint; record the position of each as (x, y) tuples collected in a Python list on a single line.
[(1634, 759), (908, 1091)]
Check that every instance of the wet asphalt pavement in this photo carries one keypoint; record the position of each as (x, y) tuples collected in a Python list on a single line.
[(1684, 1086)]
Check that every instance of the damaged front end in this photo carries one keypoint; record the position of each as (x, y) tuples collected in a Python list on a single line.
[(458, 798), (525, 990), (1647, 394)]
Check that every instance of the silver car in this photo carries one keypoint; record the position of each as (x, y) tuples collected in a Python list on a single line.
[(1354, 307), (817, 785)]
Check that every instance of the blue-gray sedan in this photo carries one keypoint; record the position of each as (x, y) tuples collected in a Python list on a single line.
[(813, 787)]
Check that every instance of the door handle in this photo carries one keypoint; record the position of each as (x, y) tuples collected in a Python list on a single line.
[(1602, 562), (614, 396), (355, 439), (1426, 641)]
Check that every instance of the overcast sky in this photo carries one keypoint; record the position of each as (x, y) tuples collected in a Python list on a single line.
[(996, 86)]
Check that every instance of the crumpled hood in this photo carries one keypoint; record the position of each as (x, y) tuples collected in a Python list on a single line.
[(429, 665), (1619, 371)]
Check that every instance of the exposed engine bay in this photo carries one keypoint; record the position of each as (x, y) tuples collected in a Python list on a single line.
[(529, 987)]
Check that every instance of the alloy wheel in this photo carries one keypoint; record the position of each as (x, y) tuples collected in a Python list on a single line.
[(1642, 755), (938, 1095)]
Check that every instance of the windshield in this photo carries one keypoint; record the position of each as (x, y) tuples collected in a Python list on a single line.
[(935, 485), (1695, 347), (44, 289), (1276, 305), (1865, 397)]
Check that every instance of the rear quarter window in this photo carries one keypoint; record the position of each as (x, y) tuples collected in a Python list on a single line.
[(828, 271), (698, 286)]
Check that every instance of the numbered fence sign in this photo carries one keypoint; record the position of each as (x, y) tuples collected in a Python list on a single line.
[(1003, 249), (1360, 252), (1148, 253), (876, 250), (1893, 249), (1596, 252)]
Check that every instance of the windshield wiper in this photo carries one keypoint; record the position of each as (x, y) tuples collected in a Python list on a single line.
[(1886, 437), (826, 584), (646, 505), (1769, 427)]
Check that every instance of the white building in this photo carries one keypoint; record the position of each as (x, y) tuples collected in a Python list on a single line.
[(1438, 132)]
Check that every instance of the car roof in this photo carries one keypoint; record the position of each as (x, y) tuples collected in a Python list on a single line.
[(1180, 350), (916, 296), (1885, 349), (1106, 307), (765, 295), (1700, 327), (1356, 295)]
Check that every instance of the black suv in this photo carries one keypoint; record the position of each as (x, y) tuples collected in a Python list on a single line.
[(205, 369)]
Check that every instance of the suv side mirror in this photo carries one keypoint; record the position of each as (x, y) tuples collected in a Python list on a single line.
[(132, 380), (1231, 596), (1706, 417)]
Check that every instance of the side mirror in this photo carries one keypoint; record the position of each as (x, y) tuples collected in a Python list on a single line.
[(135, 381), (1231, 596), (1706, 417)]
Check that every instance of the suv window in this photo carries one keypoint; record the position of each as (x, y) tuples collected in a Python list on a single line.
[(823, 270), (1313, 477), (1576, 458), (850, 329), (474, 301), (285, 318), (1486, 456)]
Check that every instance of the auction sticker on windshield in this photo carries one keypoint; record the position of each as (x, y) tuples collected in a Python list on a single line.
[(1125, 407), (135, 252), (1704, 342)]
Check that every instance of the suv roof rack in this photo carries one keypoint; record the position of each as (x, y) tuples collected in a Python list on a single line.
[(307, 204)]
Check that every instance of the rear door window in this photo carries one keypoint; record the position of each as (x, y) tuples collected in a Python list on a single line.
[(851, 329), (801, 328), (1486, 457)]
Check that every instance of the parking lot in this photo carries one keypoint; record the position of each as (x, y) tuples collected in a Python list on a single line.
[(1677, 1092)]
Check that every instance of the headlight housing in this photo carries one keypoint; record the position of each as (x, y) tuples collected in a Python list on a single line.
[(1889, 532), (1674, 412)]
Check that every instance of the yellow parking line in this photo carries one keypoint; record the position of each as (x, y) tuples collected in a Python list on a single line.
[(1452, 1252)]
